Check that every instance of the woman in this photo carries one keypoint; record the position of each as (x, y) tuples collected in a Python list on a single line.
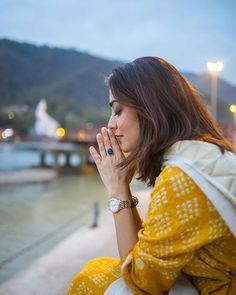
[(175, 146)]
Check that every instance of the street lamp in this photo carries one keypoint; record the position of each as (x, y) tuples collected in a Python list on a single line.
[(60, 132), (232, 109), (214, 68)]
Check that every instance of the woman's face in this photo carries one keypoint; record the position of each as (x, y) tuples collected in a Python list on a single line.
[(124, 123)]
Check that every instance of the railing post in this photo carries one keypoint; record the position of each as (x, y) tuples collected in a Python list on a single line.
[(96, 212), (42, 159)]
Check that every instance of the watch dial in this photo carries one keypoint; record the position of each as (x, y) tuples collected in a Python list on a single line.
[(114, 205)]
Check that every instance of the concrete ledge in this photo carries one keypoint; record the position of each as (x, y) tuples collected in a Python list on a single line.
[(51, 274), (27, 176)]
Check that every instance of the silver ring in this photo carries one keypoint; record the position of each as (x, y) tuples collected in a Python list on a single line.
[(110, 151)]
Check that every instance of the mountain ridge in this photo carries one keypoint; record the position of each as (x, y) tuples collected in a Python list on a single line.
[(73, 82)]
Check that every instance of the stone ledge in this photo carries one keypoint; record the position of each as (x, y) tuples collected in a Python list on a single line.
[(27, 176), (52, 273)]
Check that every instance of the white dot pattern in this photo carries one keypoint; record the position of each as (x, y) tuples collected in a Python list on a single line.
[(182, 231)]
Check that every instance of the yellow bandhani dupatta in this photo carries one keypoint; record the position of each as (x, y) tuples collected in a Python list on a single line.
[(212, 171), (215, 174)]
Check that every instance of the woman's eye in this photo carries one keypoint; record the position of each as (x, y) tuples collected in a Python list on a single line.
[(117, 112)]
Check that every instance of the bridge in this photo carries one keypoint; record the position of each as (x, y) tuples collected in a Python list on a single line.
[(66, 157)]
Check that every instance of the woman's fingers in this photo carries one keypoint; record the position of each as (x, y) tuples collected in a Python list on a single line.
[(114, 143), (101, 145), (107, 142), (111, 141), (95, 155)]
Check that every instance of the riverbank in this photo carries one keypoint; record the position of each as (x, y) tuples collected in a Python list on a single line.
[(33, 175), (51, 274)]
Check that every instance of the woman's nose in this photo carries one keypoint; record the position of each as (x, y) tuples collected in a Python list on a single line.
[(111, 123)]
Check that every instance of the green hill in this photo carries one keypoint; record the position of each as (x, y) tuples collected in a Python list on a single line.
[(72, 83)]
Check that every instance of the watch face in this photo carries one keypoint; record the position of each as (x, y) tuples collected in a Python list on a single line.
[(113, 205)]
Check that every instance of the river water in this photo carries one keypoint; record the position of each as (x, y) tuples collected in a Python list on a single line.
[(36, 217)]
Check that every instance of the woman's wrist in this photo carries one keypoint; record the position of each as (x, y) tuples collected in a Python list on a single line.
[(121, 193)]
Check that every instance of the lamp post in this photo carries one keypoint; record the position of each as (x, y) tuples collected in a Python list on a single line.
[(214, 68), (232, 109)]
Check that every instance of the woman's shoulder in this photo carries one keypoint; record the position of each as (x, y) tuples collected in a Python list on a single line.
[(174, 182), (169, 173), (178, 188), (204, 158), (196, 148), (177, 199)]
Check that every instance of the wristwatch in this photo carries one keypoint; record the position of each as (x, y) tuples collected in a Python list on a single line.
[(115, 205)]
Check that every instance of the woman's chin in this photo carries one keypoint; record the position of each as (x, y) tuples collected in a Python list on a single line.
[(125, 149)]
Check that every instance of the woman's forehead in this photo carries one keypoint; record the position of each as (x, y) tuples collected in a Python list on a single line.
[(111, 97)]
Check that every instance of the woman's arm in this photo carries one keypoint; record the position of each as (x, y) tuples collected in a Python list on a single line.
[(116, 181), (136, 215), (137, 218), (127, 223), (126, 231)]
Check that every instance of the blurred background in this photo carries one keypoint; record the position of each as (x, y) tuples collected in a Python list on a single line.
[(54, 56)]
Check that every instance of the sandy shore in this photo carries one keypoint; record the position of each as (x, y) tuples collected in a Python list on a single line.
[(27, 176), (51, 274)]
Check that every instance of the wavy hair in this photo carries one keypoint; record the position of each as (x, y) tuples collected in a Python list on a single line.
[(169, 109)]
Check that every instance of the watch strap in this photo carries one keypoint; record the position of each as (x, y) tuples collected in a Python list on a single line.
[(134, 201), (125, 204)]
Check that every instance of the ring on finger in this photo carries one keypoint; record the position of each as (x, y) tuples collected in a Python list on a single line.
[(110, 151)]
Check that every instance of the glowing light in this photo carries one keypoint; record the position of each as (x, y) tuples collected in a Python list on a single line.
[(11, 115), (82, 136), (7, 133), (215, 66), (232, 108), (60, 132)]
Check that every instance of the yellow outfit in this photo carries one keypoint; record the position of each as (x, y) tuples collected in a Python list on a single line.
[(182, 232)]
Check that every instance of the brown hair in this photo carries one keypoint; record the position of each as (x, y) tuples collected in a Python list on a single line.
[(169, 109)]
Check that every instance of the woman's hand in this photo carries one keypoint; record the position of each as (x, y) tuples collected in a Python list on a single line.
[(116, 180)]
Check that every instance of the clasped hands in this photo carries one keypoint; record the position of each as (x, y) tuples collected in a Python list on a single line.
[(115, 179)]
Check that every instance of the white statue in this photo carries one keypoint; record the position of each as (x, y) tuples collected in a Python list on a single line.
[(45, 124)]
